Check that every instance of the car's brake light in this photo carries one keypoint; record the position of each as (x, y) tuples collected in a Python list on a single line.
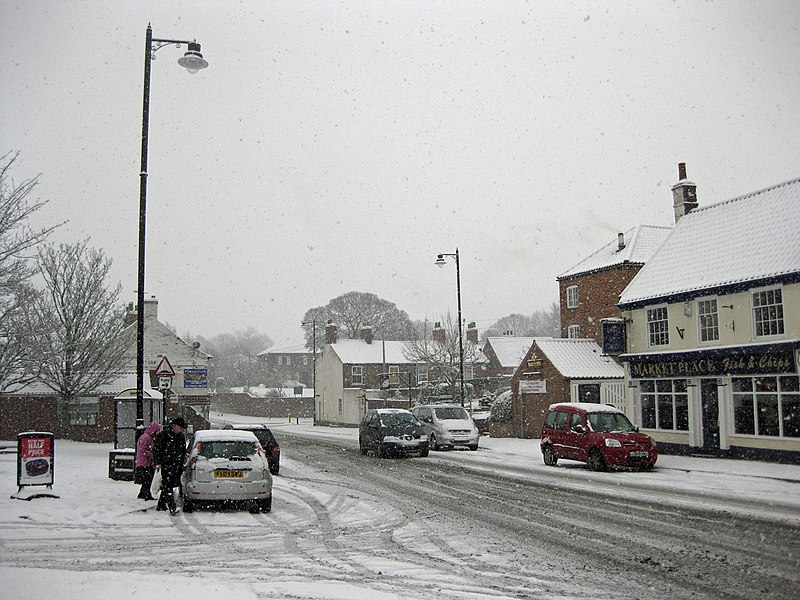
[(276, 449)]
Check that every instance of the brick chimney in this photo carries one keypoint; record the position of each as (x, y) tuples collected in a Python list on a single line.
[(472, 333), (684, 194), (151, 308), (438, 333), (366, 334), (330, 333)]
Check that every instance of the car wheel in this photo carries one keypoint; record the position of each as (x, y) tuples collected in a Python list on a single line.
[(424, 453), (381, 451), (265, 505), (549, 456), (188, 505), (596, 461), (254, 507), (432, 442), (362, 448), (474, 448)]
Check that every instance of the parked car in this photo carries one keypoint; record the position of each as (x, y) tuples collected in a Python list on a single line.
[(227, 465), (598, 434), (268, 442), (447, 426), (392, 431)]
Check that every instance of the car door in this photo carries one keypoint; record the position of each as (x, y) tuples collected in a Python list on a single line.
[(557, 433), (575, 445)]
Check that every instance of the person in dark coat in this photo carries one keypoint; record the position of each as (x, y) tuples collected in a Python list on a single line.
[(145, 467), (169, 452)]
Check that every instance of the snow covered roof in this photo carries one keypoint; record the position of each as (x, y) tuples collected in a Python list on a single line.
[(510, 350), (579, 358), (120, 382), (286, 349), (738, 242), (359, 351), (640, 244)]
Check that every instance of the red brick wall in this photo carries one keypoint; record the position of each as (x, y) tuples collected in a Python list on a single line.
[(29, 413), (598, 294), (244, 404), (528, 410)]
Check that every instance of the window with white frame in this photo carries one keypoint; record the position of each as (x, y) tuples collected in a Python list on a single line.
[(767, 406), (394, 375), (768, 312), (288, 360), (658, 326), (469, 372), (708, 320), (341, 406), (574, 331), (664, 404), (422, 373), (280, 361), (572, 296), (84, 411), (357, 372)]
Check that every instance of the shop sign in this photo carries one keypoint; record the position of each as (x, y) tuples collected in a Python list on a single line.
[(195, 377), (748, 363), (35, 453), (533, 386)]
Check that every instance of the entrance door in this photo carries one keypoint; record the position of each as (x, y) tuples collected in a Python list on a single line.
[(709, 399)]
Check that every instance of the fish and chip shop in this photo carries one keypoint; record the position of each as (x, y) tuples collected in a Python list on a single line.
[(738, 402)]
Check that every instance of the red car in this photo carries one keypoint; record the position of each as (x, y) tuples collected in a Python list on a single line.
[(598, 434)]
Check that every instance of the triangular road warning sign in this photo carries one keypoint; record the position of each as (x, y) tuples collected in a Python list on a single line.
[(164, 369)]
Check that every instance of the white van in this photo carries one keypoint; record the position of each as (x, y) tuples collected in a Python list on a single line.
[(448, 426)]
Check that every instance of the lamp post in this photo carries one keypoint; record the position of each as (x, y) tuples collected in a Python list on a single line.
[(192, 61), (313, 362), (440, 262)]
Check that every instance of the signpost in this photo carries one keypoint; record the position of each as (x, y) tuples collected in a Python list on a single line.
[(165, 373)]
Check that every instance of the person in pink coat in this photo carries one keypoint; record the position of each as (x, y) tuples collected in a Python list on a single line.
[(145, 466)]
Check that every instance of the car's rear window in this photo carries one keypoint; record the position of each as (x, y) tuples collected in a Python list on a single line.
[(556, 419), (227, 449)]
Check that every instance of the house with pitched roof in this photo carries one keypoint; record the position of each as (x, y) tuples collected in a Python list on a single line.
[(292, 363), (562, 370), (588, 292), (713, 329)]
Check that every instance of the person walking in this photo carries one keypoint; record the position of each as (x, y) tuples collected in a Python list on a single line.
[(145, 467), (169, 452)]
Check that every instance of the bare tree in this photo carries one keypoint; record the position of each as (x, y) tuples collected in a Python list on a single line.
[(439, 350), (539, 323), (76, 324), (355, 310), (236, 357), (17, 243)]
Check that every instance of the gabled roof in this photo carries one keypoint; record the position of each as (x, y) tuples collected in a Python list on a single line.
[(119, 383), (357, 351), (640, 244), (286, 349), (510, 350), (579, 358), (749, 240)]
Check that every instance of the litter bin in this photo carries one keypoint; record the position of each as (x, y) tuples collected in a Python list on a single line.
[(121, 464)]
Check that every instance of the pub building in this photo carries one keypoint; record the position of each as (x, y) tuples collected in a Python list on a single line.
[(712, 326)]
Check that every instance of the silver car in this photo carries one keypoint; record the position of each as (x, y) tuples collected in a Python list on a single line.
[(448, 426), (227, 465)]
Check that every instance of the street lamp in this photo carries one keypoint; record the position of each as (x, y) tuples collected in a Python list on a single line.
[(440, 262), (314, 362), (192, 61)]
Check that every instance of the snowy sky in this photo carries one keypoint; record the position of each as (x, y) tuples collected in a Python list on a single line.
[(338, 146)]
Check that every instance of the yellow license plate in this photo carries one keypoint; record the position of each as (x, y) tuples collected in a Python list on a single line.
[(228, 474)]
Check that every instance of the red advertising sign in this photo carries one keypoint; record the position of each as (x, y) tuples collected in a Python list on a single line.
[(35, 454)]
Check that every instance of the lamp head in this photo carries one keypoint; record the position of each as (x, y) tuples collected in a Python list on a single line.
[(193, 60), (440, 262)]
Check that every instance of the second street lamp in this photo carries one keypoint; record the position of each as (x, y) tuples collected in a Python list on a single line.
[(440, 262), (192, 61)]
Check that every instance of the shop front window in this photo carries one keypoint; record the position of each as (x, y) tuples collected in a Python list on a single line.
[(767, 406), (664, 404)]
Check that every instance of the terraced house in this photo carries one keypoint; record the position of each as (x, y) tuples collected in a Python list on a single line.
[(713, 329)]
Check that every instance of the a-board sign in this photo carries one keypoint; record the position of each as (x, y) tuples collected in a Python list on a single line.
[(35, 456)]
